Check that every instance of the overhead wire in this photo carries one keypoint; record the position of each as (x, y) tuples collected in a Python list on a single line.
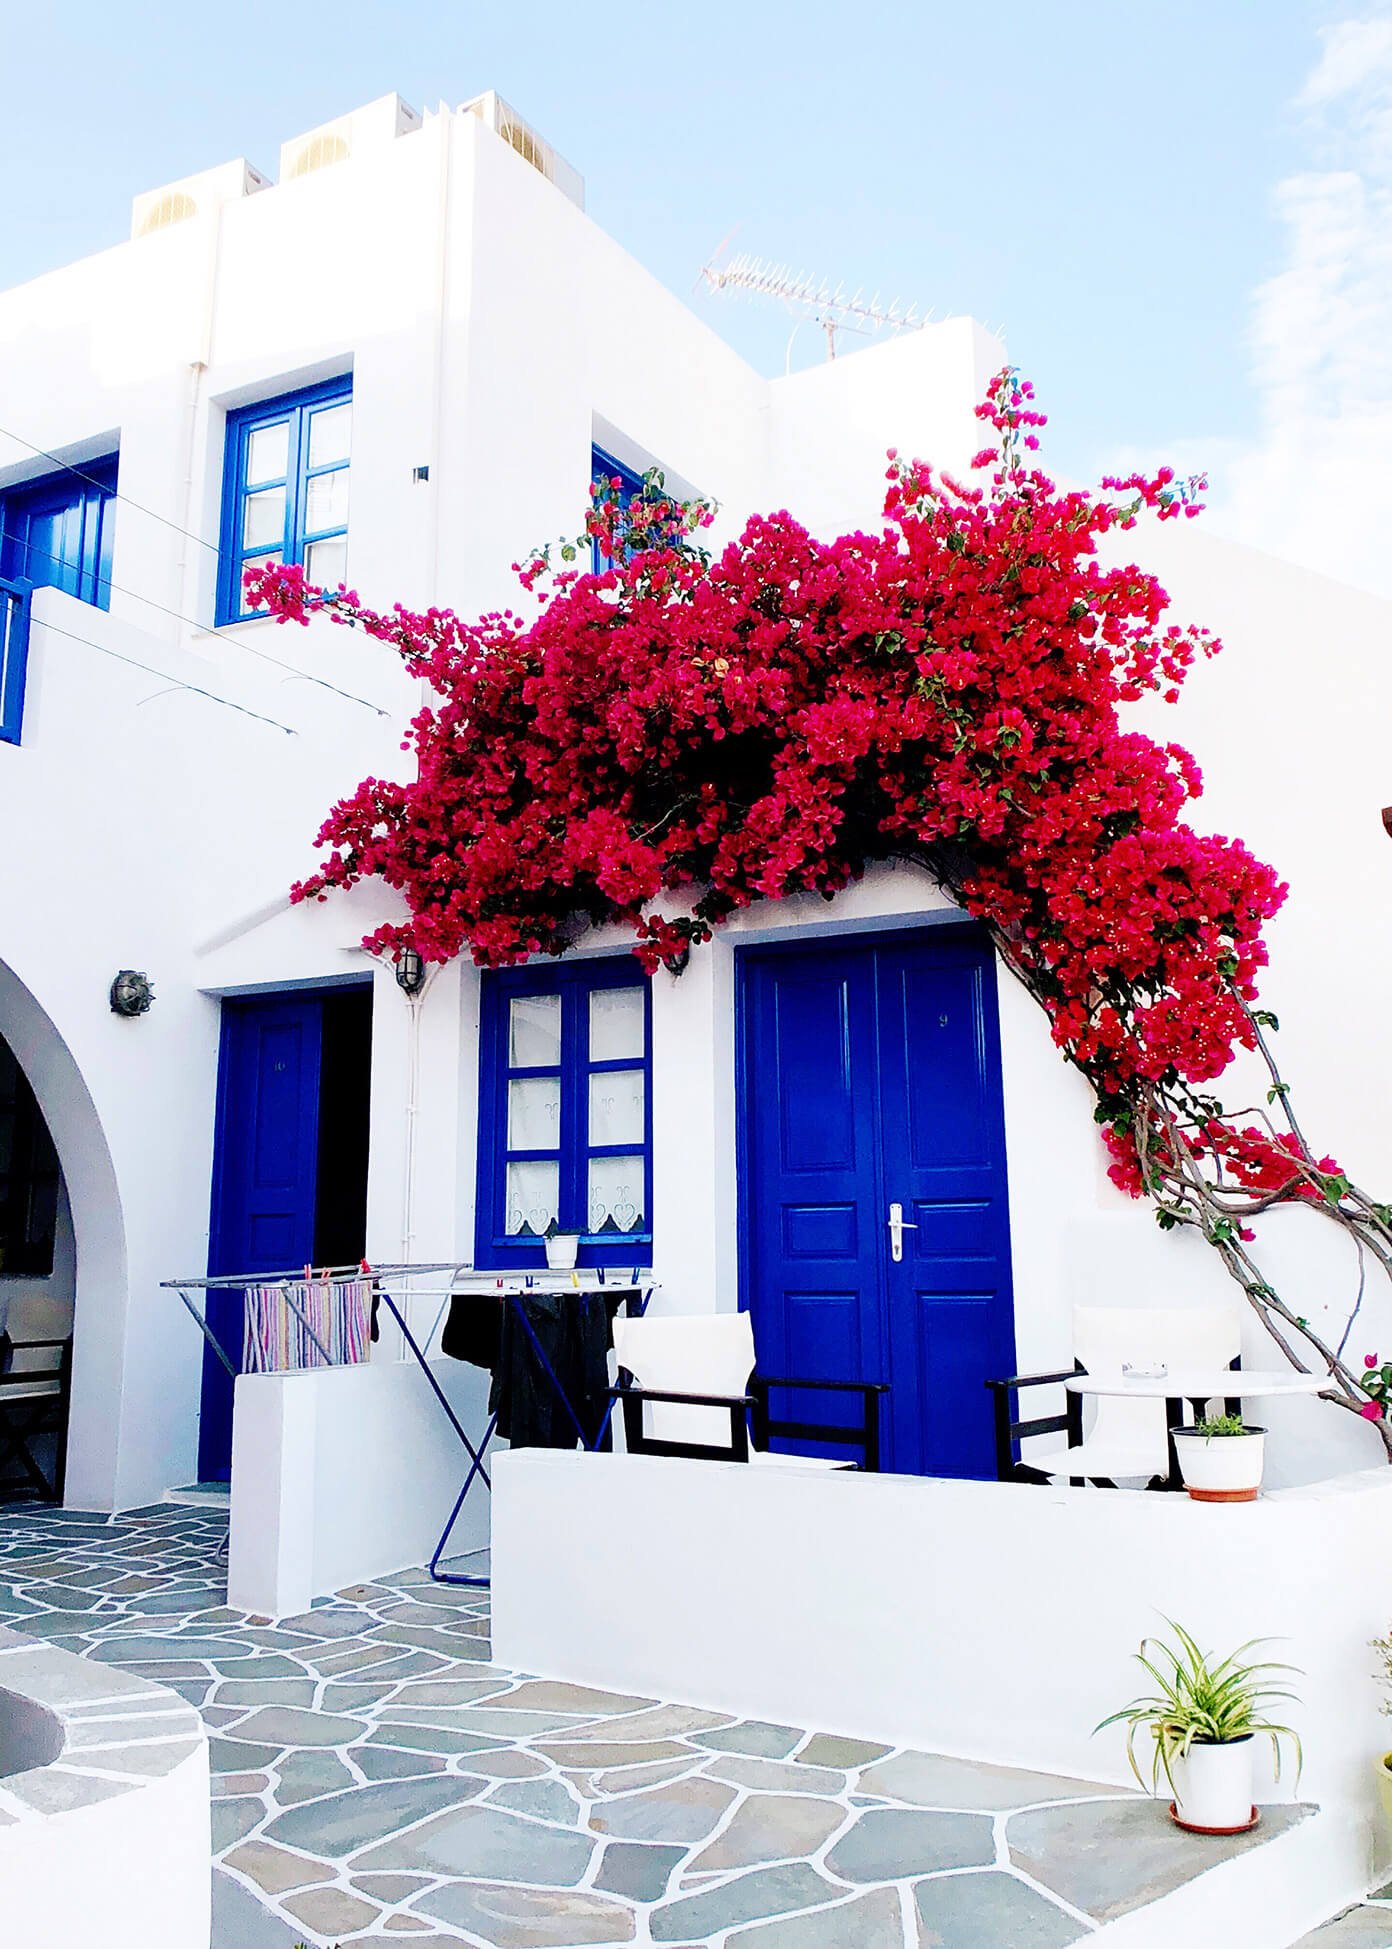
[(178, 683), (94, 480)]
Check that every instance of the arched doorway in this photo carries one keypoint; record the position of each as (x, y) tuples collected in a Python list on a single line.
[(64, 1243)]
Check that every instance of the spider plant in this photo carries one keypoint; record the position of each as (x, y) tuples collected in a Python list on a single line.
[(1200, 1699)]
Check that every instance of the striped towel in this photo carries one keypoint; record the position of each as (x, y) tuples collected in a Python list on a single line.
[(274, 1340)]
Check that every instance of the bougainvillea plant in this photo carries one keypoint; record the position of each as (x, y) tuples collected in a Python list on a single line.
[(672, 739)]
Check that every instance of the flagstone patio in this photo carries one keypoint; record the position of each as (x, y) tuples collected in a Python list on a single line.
[(377, 1781)]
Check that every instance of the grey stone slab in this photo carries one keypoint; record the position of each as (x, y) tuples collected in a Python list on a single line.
[(870, 1921), (636, 1869), (229, 1785), (308, 1776), (586, 1701), (542, 1799), (771, 1827), (473, 1842), (599, 1754), (59, 1679), (930, 1780), (964, 1911), (429, 1637), (627, 1779), (268, 1691), (239, 1755), (334, 1827), (391, 1888), (277, 1725), (429, 1739), (463, 1718), (775, 1776), (755, 1736), (529, 1918), (657, 1722), (452, 1691), (269, 1664), (1108, 1857), (1356, 1928), (139, 1649), (242, 1922), (889, 1843), (507, 1764), (748, 1898), (332, 1621), (686, 1810), (233, 1820), (172, 1723), (273, 1868), (332, 1911), (354, 1697), (381, 1763), (830, 1749)]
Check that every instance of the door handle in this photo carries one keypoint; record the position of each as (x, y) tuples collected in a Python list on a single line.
[(898, 1225)]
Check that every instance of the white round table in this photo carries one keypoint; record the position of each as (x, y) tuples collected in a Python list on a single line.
[(1198, 1386)]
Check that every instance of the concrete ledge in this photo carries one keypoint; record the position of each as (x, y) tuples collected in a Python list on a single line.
[(992, 1622), (104, 1826)]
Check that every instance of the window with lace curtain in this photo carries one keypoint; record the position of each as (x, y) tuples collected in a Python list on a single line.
[(565, 1116)]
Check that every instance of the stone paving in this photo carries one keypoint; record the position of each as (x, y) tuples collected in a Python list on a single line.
[(1366, 1926), (378, 1781)]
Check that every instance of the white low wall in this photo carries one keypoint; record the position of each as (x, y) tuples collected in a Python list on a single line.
[(345, 1473), (105, 1841), (991, 1621)]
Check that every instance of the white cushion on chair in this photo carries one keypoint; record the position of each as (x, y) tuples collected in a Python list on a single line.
[(1117, 1461), (700, 1353)]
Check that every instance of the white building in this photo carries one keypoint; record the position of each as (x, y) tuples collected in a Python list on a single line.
[(420, 306)]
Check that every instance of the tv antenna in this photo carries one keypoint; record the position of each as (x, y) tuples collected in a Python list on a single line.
[(829, 305)]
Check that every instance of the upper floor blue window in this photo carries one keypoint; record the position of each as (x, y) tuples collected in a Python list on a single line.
[(565, 1114), (632, 487), (57, 532), (285, 490)]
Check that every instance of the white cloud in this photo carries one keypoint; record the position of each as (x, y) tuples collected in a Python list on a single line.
[(1316, 485)]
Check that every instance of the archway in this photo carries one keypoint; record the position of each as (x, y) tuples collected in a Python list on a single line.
[(96, 1267)]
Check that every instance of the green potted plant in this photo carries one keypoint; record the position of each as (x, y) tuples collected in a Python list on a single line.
[(1202, 1719), (1221, 1458)]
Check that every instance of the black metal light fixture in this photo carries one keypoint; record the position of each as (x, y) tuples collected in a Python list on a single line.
[(131, 993), (410, 972), (1387, 820)]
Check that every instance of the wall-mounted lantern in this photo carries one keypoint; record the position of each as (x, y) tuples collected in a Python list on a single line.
[(410, 972), (1387, 820), (131, 993)]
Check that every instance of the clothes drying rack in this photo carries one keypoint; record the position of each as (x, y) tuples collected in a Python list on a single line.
[(512, 1288)]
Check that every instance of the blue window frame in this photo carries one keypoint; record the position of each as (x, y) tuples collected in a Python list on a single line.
[(14, 657), (565, 1113), (632, 487), (285, 490), (57, 532)]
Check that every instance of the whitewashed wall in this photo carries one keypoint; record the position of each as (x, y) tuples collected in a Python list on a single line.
[(493, 331)]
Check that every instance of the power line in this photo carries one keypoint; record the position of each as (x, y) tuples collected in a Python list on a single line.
[(178, 683), (94, 481), (235, 641)]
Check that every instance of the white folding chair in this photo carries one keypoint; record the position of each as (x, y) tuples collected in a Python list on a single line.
[(1128, 1440), (692, 1391)]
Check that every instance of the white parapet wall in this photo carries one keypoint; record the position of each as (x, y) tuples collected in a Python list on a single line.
[(345, 1473), (990, 1621), (104, 1837)]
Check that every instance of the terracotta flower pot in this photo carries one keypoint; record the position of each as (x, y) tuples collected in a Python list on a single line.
[(1221, 1468), (1213, 1787)]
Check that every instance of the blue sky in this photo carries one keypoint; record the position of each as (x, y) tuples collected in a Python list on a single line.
[(1110, 184)]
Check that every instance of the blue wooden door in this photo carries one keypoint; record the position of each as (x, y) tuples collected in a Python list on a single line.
[(264, 1178), (871, 1078)]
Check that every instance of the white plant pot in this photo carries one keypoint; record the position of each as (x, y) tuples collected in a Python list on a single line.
[(562, 1249), (1221, 1468), (1213, 1787)]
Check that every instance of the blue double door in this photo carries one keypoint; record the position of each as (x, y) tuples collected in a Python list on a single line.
[(289, 1163), (875, 1240)]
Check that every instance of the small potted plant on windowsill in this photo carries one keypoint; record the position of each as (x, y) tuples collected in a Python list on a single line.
[(1202, 1719), (562, 1249), (1221, 1458)]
